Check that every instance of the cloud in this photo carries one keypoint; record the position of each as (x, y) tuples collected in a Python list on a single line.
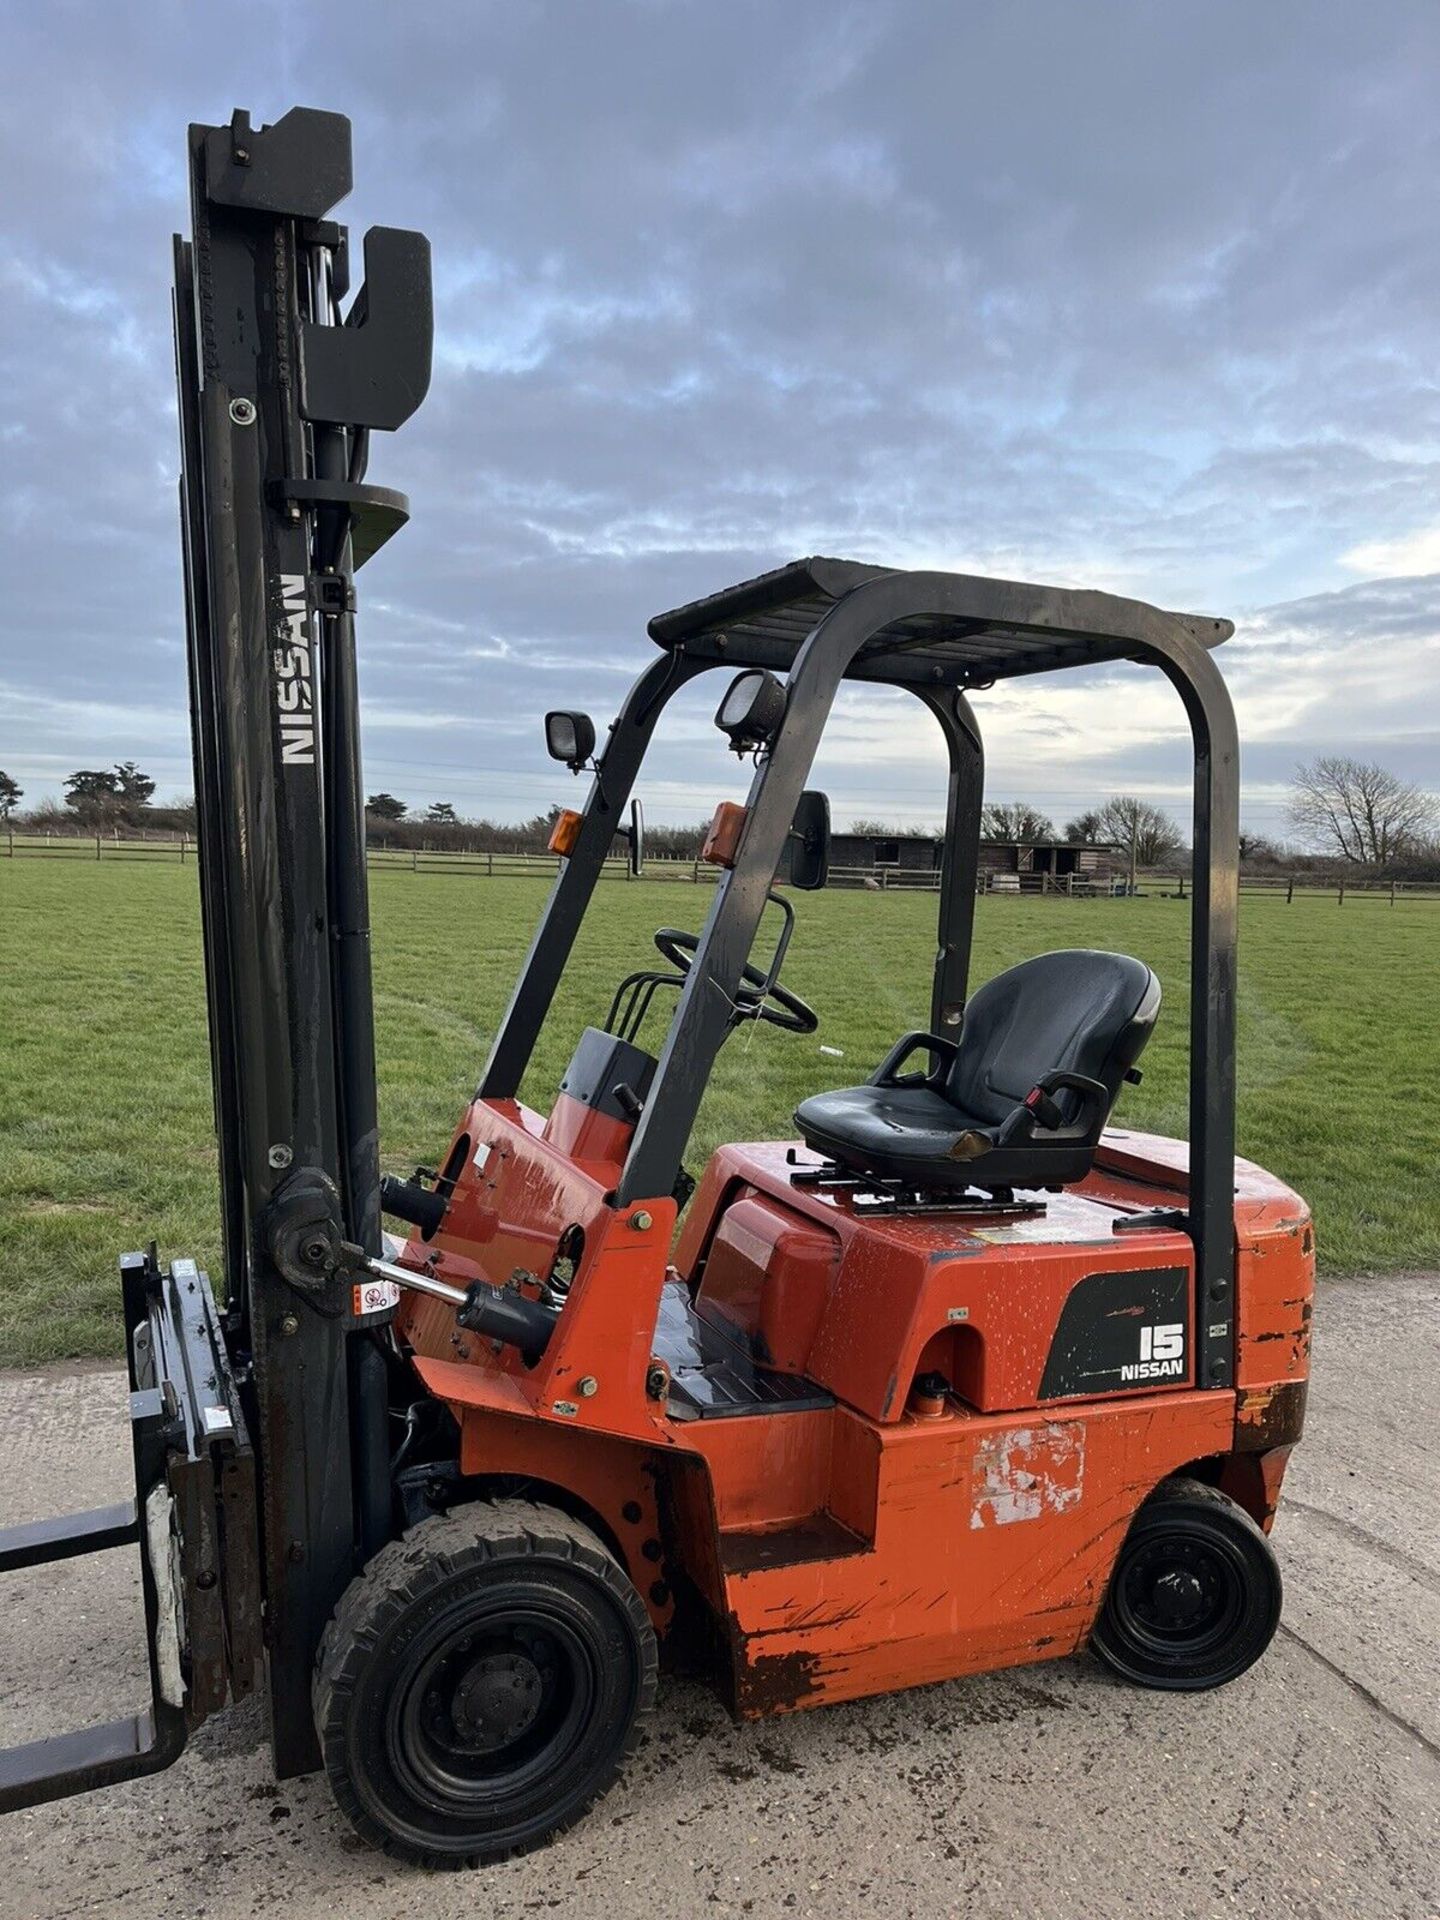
[(1083, 295), (1387, 559)]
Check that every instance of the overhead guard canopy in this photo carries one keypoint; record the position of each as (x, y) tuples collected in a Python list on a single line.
[(993, 630)]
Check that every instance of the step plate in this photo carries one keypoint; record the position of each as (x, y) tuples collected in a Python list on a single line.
[(713, 1377), (815, 1536)]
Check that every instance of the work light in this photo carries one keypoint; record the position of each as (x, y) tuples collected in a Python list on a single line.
[(752, 709), (570, 737)]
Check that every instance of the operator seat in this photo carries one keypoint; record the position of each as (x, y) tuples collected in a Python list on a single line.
[(1018, 1099)]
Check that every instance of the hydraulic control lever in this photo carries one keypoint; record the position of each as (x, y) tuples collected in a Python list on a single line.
[(499, 1313)]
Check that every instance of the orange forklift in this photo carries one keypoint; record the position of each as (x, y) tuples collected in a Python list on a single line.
[(960, 1377)]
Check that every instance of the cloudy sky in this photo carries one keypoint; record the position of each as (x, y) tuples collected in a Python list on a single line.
[(1137, 296)]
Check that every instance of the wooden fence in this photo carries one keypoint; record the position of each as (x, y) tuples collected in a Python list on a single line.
[(180, 849), (98, 846), (1292, 887)]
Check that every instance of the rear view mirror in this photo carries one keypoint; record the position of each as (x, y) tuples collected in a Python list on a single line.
[(636, 837), (570, 738), (809, 843)]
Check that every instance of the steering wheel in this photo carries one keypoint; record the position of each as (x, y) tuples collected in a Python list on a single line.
[(755, 999)]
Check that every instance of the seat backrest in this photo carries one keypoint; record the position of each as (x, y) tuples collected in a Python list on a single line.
[(1078, 1011)]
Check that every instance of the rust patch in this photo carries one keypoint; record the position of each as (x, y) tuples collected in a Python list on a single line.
[(1269, 1417)]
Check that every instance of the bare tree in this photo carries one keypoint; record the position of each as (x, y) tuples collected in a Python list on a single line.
[(1084, 827), (1016, 821), (1146, 834), (1359, 810), (1256, 847)]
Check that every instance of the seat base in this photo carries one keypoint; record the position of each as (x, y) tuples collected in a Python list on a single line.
[(875, 1193), (909, 1133)]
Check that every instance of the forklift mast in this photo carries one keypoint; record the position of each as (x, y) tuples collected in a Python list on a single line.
[(278, 397), (259, 1426)]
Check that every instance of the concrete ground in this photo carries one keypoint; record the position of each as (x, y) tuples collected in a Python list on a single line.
[(1310, 1787)]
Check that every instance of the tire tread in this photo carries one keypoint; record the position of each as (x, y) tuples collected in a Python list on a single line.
[(403, 1571), (1182, 1490)]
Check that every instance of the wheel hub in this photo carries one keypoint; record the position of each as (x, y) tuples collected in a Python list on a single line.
[(497, 1699), (1178, 1597)]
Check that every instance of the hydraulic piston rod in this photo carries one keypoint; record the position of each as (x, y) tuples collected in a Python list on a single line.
[(502, 1313)]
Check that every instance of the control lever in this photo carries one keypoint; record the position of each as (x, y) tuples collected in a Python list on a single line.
[(500, 1313)]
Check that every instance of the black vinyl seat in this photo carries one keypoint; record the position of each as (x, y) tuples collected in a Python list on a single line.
[(1018, 1099)]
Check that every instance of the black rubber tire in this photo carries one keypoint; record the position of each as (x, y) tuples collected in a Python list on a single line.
[(1224, 1601), (556, 1618)]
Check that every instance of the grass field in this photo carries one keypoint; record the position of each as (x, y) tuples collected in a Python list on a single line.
[(105, 1118)]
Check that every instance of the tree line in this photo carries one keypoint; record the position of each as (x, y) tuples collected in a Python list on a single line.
[(1352, 812), (1356, 813), (98, 799), (390, 823)]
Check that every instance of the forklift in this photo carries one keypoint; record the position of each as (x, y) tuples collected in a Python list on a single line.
[(962, 1376)]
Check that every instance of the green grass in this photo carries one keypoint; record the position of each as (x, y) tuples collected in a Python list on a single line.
[(105, 1118)]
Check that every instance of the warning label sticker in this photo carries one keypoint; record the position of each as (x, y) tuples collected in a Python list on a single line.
[(376, 1296)]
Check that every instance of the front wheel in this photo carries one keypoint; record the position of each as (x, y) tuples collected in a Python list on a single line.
[(1195, 1596), (479, 1685)]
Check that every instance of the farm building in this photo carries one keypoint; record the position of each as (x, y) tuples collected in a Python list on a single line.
[(1061, 860), (914, 854), (906, 852)]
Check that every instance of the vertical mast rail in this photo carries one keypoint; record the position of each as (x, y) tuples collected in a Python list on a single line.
[(276, 402)]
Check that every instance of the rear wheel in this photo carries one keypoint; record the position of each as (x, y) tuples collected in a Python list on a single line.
[(479, 1684), (1195, 1596)]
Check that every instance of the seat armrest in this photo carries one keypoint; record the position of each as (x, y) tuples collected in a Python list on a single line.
[(887, 1074), (1094, 1101), (1038, 1118)]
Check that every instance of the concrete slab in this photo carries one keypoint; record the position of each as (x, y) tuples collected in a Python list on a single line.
[(1309, 1788)]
